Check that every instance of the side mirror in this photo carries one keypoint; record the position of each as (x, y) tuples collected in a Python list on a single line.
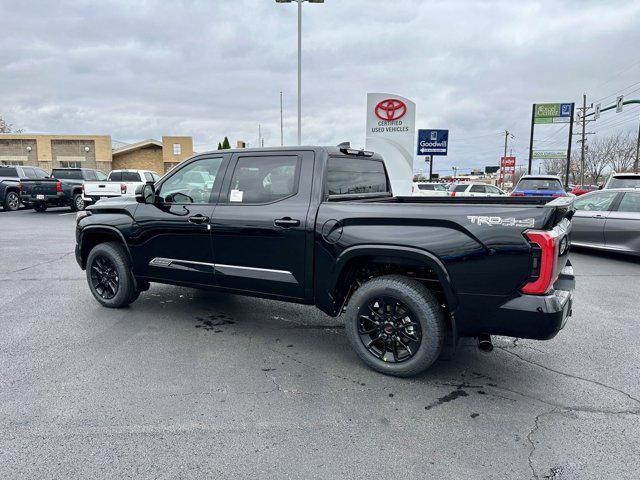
[(145, 193)]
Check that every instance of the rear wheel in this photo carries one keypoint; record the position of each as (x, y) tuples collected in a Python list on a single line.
[(39, 207), (11, 201), (109, 275), (395, 325), (77, 203)]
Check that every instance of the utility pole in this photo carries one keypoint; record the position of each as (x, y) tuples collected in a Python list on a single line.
[(583, 133), (281, 126), (506, 141), (455, 169), (635, 164)]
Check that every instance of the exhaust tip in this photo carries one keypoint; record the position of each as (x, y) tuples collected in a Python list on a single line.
[(484, 343)]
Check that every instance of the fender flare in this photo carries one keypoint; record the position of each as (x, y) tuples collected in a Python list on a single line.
[(409, 253), (97, 229)]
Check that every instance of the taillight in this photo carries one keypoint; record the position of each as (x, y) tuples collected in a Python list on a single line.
[(20, 187), (544, 254), (123, 188), (517, 194), (453, 194), (58, 186)]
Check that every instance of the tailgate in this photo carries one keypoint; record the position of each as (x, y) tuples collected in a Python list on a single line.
[(102, 188), (45, 186)]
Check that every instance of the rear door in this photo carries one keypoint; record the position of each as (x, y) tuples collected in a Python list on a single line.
[(260, 223), (592, 210), (622, 228)]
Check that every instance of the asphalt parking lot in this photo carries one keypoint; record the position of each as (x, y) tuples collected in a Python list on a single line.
[(190, 384)]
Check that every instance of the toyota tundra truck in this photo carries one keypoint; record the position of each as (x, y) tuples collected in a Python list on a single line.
[(118, 183), (320, 226)]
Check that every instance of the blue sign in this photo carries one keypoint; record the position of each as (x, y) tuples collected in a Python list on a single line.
[(565, 110), (433, 142)]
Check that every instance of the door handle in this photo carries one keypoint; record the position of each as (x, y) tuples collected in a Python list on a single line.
[(286, 222), (597, 215), (198, 219)]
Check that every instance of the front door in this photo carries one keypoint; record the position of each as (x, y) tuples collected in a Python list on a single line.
[(260, 224), (172, 241)]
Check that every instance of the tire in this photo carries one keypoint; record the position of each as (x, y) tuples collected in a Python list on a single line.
[(77, 202), (11, 201), (39, 207), (401, 298), (107, 265)]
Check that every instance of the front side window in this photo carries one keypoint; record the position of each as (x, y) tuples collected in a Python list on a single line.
[(90, 175), (148, 177), (478, 189), (460, 188), (425, 186), (101, 176), (28, 172), (597, 202), (264, 179), (630, 203), (192, 183), (492, 189), (41, 173), (355, 176)]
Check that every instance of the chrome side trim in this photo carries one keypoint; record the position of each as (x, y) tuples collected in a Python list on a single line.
[(266, 273), (270, 270)]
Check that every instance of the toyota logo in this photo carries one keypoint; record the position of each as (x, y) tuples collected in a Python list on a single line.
[(390, 109)]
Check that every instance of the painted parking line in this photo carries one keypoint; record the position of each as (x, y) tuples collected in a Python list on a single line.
[(70, 213)]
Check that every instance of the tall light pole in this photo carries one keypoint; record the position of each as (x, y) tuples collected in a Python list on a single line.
[(300, 60)]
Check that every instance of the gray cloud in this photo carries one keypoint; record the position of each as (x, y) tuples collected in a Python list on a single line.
[(213, 68)]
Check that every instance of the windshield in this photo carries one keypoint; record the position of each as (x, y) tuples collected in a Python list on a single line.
[(539, 184), (625, 182)]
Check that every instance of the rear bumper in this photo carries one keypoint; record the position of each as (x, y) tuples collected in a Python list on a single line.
[(538, 317), (50, 199)]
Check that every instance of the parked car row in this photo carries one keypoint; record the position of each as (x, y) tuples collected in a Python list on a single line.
[(34, 188), (466, 189)]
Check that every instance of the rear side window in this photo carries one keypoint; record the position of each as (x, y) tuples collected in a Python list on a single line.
[(28, 172), (478, 189), (90, 175), (67, 174), (352, 176), (131, 177), (630, 203), (598, 202), (539, 184), (460, 188), (424, 186), (264, 179), (8, 172)]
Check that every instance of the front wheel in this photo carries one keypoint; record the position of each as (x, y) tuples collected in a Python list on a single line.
[(395, 325), (109, 275), (11, 201)]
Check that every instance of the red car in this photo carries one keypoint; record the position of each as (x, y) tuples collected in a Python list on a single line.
[(581, 189)]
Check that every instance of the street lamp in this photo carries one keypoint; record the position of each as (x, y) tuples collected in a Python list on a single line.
[(299, 60)]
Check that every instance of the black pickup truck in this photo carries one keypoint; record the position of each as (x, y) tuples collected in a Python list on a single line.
[(319, 226), (10, 183), (63, 189)]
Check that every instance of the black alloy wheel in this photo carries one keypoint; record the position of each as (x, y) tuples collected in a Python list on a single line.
[(104, 277), (388, 329)]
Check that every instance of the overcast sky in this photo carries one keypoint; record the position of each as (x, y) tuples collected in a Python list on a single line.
[(211, 68)]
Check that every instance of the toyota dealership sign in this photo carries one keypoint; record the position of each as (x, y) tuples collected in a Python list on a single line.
[(391, 124)]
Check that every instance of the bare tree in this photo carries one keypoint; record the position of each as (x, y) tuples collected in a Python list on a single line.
[(6, 127), (623, 151)]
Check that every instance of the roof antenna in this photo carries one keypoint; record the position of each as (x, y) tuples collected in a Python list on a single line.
[(344, 145)]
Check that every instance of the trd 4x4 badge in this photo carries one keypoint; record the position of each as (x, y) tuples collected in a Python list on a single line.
[(505, 222)]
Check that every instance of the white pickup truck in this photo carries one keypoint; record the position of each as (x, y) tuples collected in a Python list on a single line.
[(119, 183)]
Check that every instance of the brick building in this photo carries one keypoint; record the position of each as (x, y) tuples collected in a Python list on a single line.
[(92, 151), (153, 155)]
